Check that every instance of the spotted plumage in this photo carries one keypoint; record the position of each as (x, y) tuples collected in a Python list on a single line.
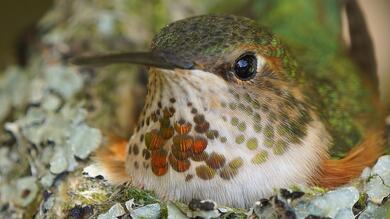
[(226, 117)]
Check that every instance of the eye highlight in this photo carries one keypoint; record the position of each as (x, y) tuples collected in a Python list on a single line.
[(245, 67)]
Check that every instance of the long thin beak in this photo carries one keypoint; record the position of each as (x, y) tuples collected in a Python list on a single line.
[(142, 58)]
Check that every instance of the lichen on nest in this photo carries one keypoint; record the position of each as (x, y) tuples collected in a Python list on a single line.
[(364, 198)]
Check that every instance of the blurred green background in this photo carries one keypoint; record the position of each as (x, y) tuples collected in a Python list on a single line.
[(17, 19)]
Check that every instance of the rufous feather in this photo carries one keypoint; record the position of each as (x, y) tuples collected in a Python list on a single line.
[(338, 172), (111, 158)]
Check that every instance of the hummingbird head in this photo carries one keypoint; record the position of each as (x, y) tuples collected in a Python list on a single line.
[(231, 67), (224, 101)]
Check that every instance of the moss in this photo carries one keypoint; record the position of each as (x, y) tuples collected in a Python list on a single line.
[(361, 204), (235, 213), (164, 210), (314, 191), (140, 196)]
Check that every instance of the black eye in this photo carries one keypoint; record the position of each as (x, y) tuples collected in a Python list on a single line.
[(245, 67)]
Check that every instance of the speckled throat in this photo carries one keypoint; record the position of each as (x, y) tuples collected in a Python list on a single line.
[(200, 136)]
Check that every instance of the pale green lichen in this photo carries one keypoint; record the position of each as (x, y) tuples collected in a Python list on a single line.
[(22, 191), (174, 212), (14, 90), (66, 130), (84, 140), (331, 204), (114, 212), (378, 185), (151, 211), (375, 211), (63, 79), (15, 85)]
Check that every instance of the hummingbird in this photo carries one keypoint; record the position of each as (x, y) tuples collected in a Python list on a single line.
[(228, 116)]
